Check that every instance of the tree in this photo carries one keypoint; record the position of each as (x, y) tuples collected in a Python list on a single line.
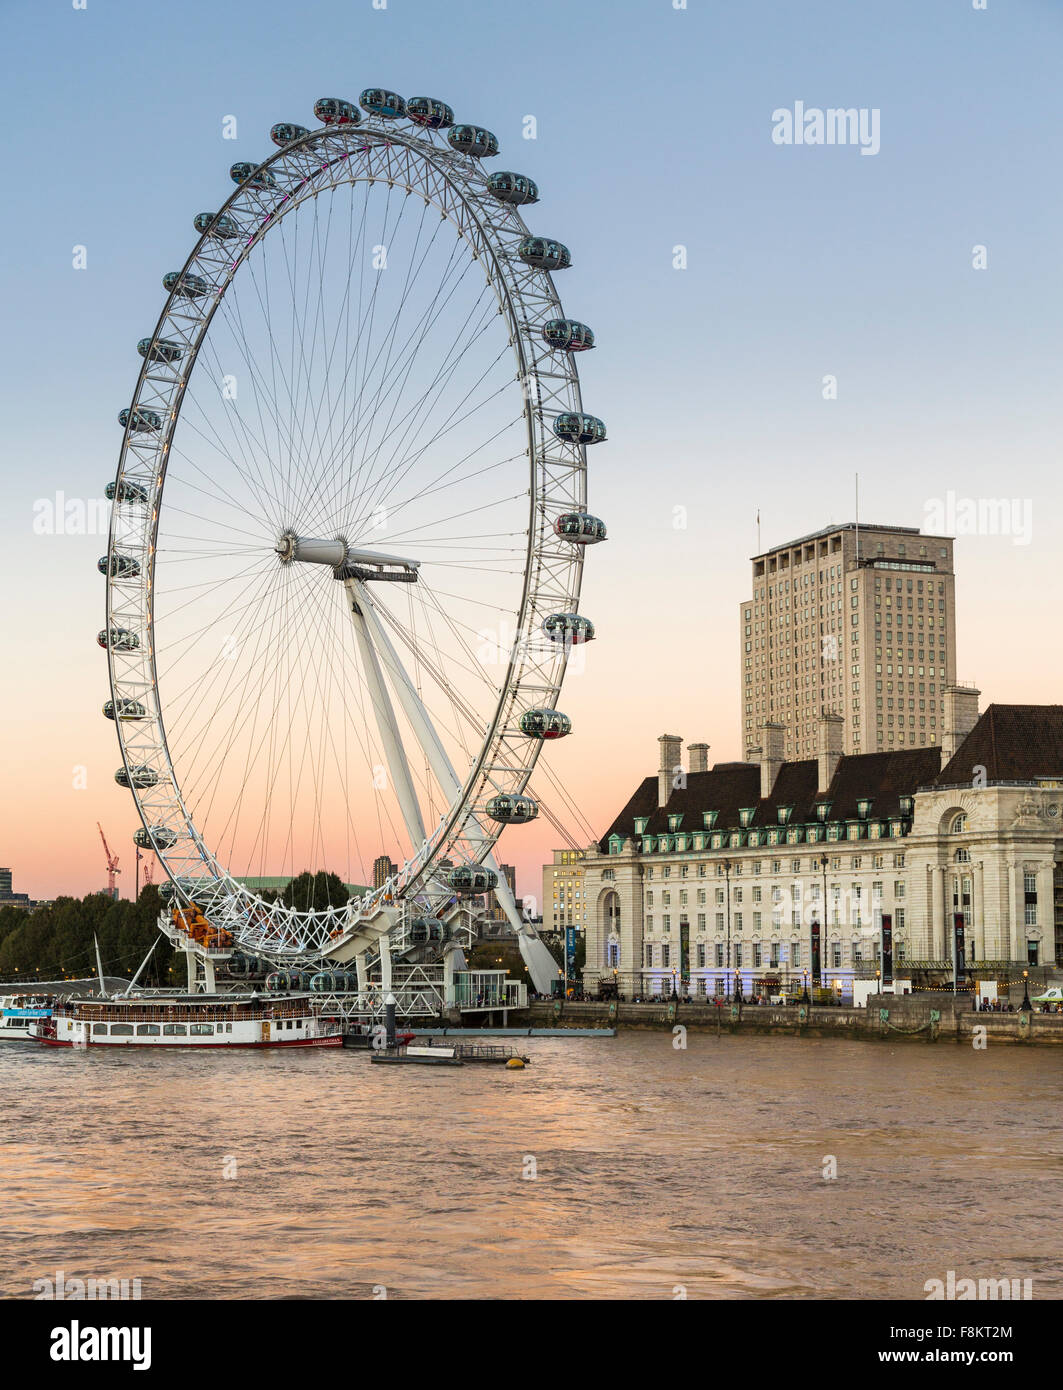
[(315, 891)]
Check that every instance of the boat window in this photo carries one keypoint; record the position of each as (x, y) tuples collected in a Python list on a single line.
[(99, 1028), (299, 1024), (148, 1030), (200, 1029), (173, 1030), (124, 1030)]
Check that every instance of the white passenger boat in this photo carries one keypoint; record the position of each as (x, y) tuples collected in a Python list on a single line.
[(19, 1013), (195, 1020)]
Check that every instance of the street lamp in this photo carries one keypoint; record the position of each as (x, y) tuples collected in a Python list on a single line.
[(823, 862), (804, 996), (1026, 992)]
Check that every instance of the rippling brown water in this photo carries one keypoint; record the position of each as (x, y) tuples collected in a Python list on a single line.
[(655, 1168)]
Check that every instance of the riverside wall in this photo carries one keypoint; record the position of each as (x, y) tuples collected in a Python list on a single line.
[(888, 1018)]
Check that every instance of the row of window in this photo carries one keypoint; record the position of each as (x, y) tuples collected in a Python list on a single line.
[(175, 1030)]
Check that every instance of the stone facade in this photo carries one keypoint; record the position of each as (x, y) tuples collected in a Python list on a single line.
[(711, 875)]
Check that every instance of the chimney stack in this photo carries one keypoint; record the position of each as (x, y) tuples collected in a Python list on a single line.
[(831, 742), (670, 765), (698, 754), (770, 755), (960, 716)]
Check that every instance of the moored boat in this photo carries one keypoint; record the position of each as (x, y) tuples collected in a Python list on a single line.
[(20, 1012), (195, 1020)]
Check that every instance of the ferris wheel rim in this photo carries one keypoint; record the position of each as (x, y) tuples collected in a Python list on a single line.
[(453, 175)]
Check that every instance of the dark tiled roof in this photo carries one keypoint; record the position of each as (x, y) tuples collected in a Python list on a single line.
[(1014, 743), (729, 787)]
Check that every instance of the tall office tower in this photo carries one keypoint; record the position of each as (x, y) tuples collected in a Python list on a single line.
[(383, 868), (853, 620)]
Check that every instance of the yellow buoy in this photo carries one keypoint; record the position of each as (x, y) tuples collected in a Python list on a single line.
[(514, 1064)]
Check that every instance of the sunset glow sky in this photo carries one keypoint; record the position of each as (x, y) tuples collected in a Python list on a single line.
[(653, 143)]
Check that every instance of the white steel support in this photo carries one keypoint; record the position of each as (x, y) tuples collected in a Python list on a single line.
[(541, 964), (385, 718), (384, 946)]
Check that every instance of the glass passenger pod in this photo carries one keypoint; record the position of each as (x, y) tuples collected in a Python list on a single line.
[(472, 140), (568, 335), (580, 528), (420, 929), (139, 777), (544, 254), (118, 566), (158, 837), (389, 106), (469, 880), (430, 113), (160, 350), (251, 175), (336, 111), (509, 809), (579, 429), (516, 189), (287, 981), (126, 709), (284, 133), (140, 420), (119, 639), (186, 286), (333, 982), (125, 492), (545, 723), (568, 627), (220, 226)]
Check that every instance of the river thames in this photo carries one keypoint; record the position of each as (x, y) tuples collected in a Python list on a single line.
[(610, 1168)]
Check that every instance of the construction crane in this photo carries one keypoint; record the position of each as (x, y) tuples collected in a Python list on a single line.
[(112, 864), (149, 871)]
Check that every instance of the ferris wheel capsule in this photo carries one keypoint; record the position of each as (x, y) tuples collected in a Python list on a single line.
[(571, 628), (543, 253), (336, 111), (141, 777), (575, 428), (187, 286), (419, 931), (472, 140), (516, 189), (140, 420), (568, 335), (427, 112), (118, 566), (284, 133), (469, 880), (124, 709), (160, 350), (218, 225), (119, 639), (125, 492), (545, 723), (158, 837), (508, 809), (389, 106), (252, 175), (580, 528)]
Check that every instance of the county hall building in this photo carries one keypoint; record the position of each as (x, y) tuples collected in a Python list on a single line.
[(715, 876)]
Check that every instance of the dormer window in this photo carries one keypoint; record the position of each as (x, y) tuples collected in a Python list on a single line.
[(745, 815), (641, 823), (709, 818), (906, 805), (674, 822), (823, 810), (863, 807), (785, 813)]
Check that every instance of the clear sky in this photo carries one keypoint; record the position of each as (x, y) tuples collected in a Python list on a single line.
[(654, 131)]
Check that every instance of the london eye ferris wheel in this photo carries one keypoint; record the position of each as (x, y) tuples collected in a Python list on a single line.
[(349, 526)]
